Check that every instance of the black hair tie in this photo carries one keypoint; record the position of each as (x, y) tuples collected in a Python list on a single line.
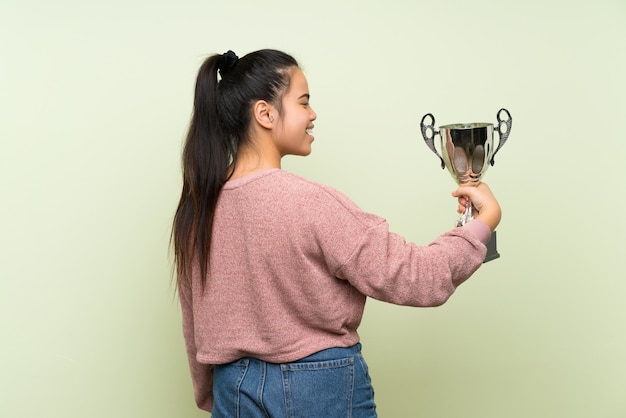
[(226, 62)]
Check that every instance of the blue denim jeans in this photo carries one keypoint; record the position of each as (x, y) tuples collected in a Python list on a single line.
[(332, 383)]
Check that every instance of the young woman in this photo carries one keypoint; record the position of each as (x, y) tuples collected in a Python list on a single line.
[(273, 269)]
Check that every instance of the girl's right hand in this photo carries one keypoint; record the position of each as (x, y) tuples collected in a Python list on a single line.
[(486, 207)]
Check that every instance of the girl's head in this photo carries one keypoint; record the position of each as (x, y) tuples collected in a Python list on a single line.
[(262, 75), (227, 91)]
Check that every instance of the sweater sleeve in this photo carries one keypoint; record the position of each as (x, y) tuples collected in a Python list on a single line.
[(359, 248), (386, 267), (201, 374), (479, 229)]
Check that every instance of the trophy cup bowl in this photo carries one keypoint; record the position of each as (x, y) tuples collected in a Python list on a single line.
[(467, 151)]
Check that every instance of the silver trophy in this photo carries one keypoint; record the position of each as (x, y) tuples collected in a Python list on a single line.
[(467, 150)]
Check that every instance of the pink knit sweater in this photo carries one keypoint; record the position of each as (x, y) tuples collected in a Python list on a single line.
[(292, 262)]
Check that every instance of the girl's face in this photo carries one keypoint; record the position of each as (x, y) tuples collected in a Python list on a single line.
[(293, 131)]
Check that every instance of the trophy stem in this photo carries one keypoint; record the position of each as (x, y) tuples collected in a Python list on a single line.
[(467, 216)]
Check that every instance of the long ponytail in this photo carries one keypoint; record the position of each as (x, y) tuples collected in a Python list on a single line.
[(205, 160)]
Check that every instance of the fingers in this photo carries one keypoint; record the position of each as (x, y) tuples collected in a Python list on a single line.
[(463, 202), (475, 194)]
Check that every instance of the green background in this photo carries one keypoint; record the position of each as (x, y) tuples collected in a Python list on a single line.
[(95, 98)]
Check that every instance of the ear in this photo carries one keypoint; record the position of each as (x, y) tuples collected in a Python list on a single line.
[(264, 114)]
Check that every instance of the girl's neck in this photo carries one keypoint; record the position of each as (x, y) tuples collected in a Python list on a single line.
[(251, 160)]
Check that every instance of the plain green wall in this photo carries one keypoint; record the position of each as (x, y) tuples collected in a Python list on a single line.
[(94, 101)]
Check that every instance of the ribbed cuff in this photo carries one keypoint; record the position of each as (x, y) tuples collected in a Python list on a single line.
[(479, 229)]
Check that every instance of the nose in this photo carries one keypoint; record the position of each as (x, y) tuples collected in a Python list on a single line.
[(312, 114)]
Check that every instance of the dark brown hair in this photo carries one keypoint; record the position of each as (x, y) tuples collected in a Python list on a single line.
[(222, 112)]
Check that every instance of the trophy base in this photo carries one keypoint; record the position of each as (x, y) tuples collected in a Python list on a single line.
[(492, 252)]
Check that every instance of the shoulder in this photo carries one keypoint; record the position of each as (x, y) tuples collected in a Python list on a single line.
[(292, 196), (306, 188), (322, 198)]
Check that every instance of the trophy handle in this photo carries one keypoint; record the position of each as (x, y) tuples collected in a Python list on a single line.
[(429, 132), (503, 134)]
